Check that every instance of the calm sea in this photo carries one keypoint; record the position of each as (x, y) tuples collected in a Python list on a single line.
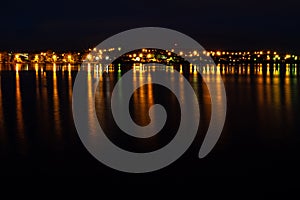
[(260, 137)]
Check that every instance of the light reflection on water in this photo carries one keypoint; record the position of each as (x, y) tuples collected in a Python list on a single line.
[(21, 135), (271, 81), (36, 105)]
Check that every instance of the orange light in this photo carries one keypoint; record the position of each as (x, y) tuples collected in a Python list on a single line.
[(54, 58)]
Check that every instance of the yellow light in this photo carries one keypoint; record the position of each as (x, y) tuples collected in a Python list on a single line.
[(261, 53), (268, 52), (169, 53), (218, 53), (195, 53), (54, 58), (134, 55), (54, 68), (141, 55), (275, 53), (149, 55), (180, 53), (89, 57), (287, 56)]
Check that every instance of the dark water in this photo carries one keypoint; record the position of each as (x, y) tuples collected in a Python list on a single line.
[(260, 138)]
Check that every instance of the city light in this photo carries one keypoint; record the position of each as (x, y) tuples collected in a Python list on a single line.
[(89, 57), (151, 55), (288, 56)]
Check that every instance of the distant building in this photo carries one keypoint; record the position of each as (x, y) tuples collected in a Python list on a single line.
[(4, 57)]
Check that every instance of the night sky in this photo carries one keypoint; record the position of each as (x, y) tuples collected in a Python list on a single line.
[(219, 24)]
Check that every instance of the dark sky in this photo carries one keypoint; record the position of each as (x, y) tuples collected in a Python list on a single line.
[(221, 24)]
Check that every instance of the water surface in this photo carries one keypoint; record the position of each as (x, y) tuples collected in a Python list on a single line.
[(260, 138)]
